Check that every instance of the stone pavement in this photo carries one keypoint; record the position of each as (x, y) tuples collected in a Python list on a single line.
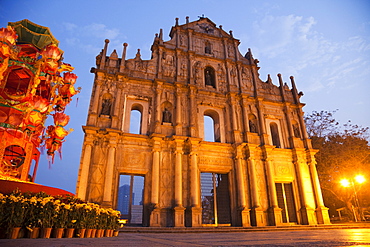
[(289, 236)]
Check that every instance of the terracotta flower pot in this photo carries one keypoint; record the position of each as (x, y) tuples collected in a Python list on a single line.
[(58, 232), (34, 233), (45, 232), (69, 233), (98, 233), (14, 232), (93, 233), (88, 233), (81, 233)]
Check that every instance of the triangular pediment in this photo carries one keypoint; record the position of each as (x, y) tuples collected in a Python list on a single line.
[(203, 25)]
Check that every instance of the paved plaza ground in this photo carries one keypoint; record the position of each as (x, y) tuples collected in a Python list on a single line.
[(357, 236)]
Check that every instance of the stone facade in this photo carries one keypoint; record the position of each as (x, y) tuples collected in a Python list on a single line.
[(260, 141)]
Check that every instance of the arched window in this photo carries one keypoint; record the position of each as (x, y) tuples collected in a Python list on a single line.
[(253, 125), (275, 135), (211, 126), (135, 119), (209, 76), (207, 48)]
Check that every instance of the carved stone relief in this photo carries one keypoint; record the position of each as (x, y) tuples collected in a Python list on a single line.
[(168, 65)]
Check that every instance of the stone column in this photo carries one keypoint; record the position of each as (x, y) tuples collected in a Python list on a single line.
[(274, 210), (117, 108), (244, 211), (237, 137), (307, 212), (257, 215), (196, 210), (156, 213), (84, 172), (179, 209), (109, 173), (158, 111), (322, 213), (92, 118), (193, 112), (155, 178), (178, 112)]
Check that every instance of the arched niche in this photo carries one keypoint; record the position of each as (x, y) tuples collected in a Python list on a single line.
[(209, 76)]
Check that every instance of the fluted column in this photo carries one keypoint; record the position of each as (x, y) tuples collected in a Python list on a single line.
[(108, 184), (322, 212), (156, 212), (240, 179), (196, 210), (178, 112), (116, 108), (194, 185), (178, 177), (158, 111), (95, 105), (271, 184), (179, 209), (253, 182), (193, 112), (307, 210), (275, 214), (155, 178), (84, 172)]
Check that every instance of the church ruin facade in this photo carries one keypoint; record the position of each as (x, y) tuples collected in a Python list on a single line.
[(252, 165)]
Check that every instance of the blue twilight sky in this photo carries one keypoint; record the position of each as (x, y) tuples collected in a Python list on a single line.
[(324, 44)]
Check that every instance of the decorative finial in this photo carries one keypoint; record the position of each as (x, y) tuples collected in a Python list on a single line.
[(177, 21), (221, 27), (187, 20), (106, 40), (231, 33)]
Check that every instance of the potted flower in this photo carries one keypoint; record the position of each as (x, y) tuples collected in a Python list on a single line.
[(14, 209), (47, 215), (33, 220)]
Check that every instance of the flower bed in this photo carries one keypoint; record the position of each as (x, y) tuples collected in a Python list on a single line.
[(33, 211)]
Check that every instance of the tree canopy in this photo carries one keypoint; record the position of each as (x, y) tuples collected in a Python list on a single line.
[(344, 153)]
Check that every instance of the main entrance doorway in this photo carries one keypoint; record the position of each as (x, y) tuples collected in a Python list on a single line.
[(215, 199), (285, 196), (130, 198)]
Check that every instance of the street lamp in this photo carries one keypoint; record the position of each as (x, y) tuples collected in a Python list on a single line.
[(347, 183)]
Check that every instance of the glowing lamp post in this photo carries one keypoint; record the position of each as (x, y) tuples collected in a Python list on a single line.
[(347, 183)]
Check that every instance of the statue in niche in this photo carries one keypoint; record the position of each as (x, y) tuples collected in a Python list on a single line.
[(207, 48), (252, 126), (166, 116), (208, 78), (296, 131), (105, 109)]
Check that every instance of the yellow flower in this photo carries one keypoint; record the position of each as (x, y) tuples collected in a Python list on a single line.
[(33, 200)]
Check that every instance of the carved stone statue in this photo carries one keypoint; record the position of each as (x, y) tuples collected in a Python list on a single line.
[(208, 78), (105, 109), (166, 116)]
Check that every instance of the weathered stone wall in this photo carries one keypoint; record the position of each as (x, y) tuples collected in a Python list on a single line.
[(260, 137)]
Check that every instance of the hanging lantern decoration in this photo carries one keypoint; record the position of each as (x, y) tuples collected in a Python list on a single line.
[(34, 84)]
